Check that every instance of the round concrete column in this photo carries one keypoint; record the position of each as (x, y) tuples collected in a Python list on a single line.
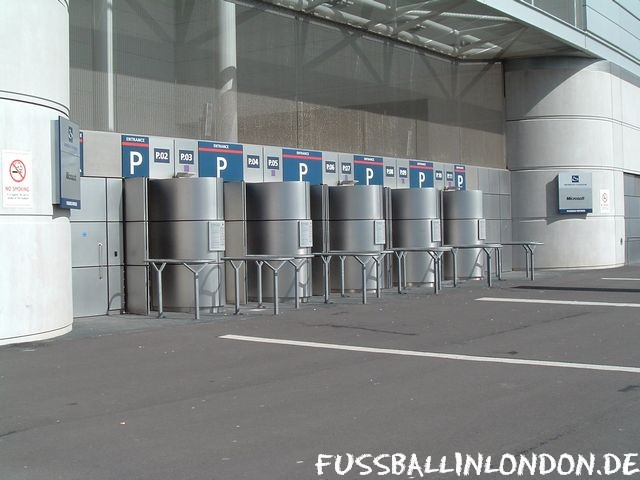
[(35, 240), (563, 116)]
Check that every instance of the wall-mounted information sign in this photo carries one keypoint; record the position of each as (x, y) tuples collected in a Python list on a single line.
[(575, 192)]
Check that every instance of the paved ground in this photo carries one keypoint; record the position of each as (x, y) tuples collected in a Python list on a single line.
[(128, 398)]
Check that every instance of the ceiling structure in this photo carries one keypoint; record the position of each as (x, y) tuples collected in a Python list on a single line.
[(462, 29)]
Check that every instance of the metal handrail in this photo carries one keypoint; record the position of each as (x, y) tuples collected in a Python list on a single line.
[(260, 260), (186, 263), (376, 256), (435, 253), (529, 247), (487, 248)]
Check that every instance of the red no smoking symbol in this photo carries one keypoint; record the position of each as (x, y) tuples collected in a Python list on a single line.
[(17, 170)]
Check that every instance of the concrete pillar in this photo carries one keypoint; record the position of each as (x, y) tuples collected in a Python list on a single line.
[(35, 240), (226, 102), (563, 114)]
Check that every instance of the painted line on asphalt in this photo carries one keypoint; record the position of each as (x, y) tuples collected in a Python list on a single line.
[(438, 355), (558, 302), (622, 279)]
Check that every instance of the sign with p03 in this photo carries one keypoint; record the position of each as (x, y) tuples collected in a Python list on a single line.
[(222, 160), (135, 156), (368, 170), (302, 166), (421, 174)]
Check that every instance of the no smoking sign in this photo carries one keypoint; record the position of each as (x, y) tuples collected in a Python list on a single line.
[(18, 171), (17, 185)]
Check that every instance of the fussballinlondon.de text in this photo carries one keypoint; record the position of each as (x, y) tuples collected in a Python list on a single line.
[(464, 465)]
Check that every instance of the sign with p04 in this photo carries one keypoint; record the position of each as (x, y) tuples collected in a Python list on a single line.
[(222, 160), (135, 156), (302, 166), (368, 170)]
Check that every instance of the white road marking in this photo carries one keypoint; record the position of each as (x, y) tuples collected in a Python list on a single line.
[(623, 279), (444, 356), (557, 302)]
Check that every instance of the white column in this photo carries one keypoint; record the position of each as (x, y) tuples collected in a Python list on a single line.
[(35, 240), (226, 103), (563, 115)]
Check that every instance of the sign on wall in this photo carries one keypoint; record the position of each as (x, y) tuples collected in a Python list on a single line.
[(17, 179), (368, 170), (460, 177), (222, 160), (68, 168), (302, 166), (575, 192), (135, 156), (421, 175)]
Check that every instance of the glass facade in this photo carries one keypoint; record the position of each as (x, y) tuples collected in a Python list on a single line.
[(164, 67)]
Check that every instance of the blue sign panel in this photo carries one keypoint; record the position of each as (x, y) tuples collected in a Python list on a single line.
[(368, 170), (220, 160), (421, 175), (135, 156), (186, 157), (302, 166), (461, 177)]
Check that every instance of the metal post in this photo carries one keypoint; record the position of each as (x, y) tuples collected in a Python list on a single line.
[(455, 266), (526, 259), (259, 264), (342, 259), (499, 262), (377, 260), (196, 287), (326, 261), (487, 251), (295, 266), (364, 283), (159, 277), (236, 271), (435, 271), (399, 261), (404, 271), (531, 247), (276, 308)]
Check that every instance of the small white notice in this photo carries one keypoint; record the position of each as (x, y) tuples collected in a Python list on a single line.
[(379, 232), (216, 236), (436, 231), (605, 201), (305, 233), (482, 229), (17, 179)]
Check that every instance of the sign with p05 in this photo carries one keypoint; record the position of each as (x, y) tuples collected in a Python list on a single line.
[(222, 160), (135, 156), (302, 166), (368, 170)]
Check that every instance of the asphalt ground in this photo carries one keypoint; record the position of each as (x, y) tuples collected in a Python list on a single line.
[(127, 397)]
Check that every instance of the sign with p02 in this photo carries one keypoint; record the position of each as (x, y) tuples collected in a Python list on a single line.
[(135, 156), (368, 170), (302, 166), (222, 160)]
